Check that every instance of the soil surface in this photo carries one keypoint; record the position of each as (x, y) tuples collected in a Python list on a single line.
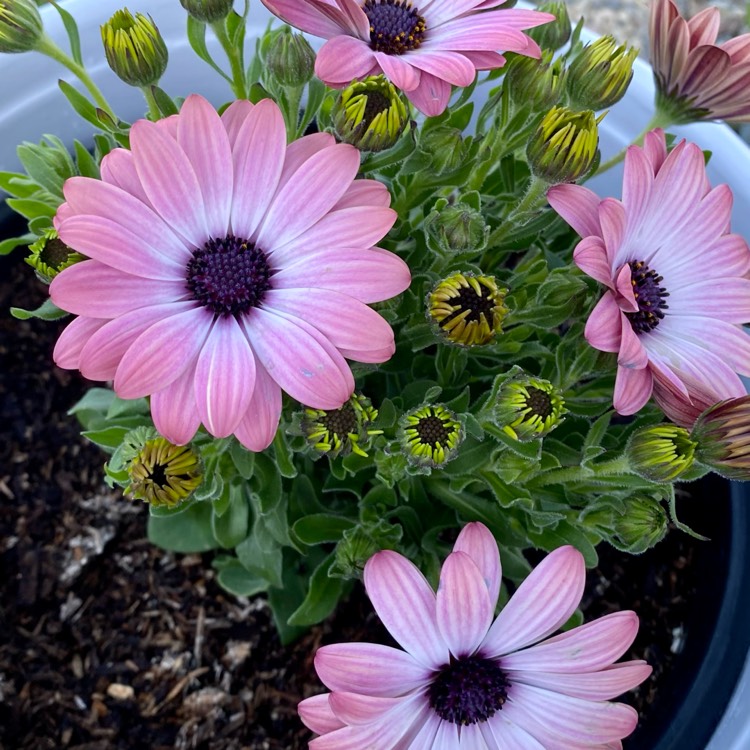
[(108, 642)]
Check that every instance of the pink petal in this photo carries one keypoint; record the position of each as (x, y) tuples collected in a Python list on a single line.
[(484, 60), (425, 739), (258, 156), (299, 151), (590, 255), (174, 411), (464, 609), (258, 427), (543, 602), (162, 353), (655, 148), (431, 96), (204, 139), (613, 220), (439, 11), (224, 377), (704, 27), (369, 669), (234, 117), (632, 354), (601, 685), (579, 206), (485, 31), (452, 67), (118, 169), (353, 708), (406, 604), (724, 299), (502, 734), (625, 291), (729, 342), (604, 326), (169, 181), (632, 390), (73, 339), (477, 542), (316, 714), (97, 291), (346, 322), (313, 17), (301, 360), (368, 275), (368, 356), (399, 71), (364, 193), (342, 60), (636, 183), (584, 649)]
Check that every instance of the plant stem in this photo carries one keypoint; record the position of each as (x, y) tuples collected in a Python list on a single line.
[(47, 47), (236, 59), (619, 465), (659, 120), (530, 202), (153, 107)]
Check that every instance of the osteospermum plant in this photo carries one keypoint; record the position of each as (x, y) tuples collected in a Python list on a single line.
[(363, 307)]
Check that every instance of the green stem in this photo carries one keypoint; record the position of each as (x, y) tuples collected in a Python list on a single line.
[(530, 202), (47, 47), (568, 474), (235, 56), (295, 97), (153, 107), (659, 120)]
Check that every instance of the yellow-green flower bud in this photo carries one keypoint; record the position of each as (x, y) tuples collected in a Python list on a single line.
[(528, 408), (660, 453), (466, 309), (564, 148), (722, 433), (289, 58), (356, 547), (457, 229), (208, 11), (600, 75), (534, 83), (551, 36), (370, 114), (135, 49), (341, 431), (160, 473), (20, 25), (642, 525), (446, 148), (430, 436), (49, 255)]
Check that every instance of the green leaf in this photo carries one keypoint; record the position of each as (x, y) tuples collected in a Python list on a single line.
[(196, 32), (85, 162), (185, 532), (285, 599), (322, 597), (45, 168), (164, 101), (71, 27), (97, 400), (230, 527), (7, 246), (30, 208), (321, 527), (284, 456), (237, 580), (243, 459), (108, 438), (46, 311), (81, 105), (261, 554), (18, 184)]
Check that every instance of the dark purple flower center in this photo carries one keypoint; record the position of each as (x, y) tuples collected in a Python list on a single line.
[(229, 276), (395, 26), (649, 294), (434, 431), (469, 690)]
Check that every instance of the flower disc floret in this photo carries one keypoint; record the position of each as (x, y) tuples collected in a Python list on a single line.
[(224, 267), (430, 435)]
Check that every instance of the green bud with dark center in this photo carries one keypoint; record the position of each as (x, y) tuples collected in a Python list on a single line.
[(49, 255), (208, 11), (288, 57), (135, 49), (430, 435), (551, 36), (564, 148), (457, 229), (20, 26), (528, 408), (642, 525), (370, 114), (722, 434), (600, 75), (660, 453)]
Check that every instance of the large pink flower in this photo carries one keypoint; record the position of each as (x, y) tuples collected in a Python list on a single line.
[(422, 47), (696, 78), (677, 282), (466, 682), (226, 266)]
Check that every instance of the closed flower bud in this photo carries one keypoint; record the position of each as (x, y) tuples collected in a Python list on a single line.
[(208, 11), (528, 408), (457, 229), (49, 255), (642, 525), (466, 309), (564, 147), (722, 433), (551, 36), (600, 75), (534, 83), (341, 431), (430, 436), (660, 453), (360, 543), (20, 25), (134, 48), (370, 114), (289, 58), (446, 148)]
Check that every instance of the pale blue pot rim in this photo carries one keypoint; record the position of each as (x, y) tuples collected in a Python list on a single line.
[(33, 106)]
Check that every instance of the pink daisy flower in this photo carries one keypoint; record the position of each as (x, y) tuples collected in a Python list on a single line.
[(466, 682), (422, 48), (696, 78), (226, 267), (677, 282)]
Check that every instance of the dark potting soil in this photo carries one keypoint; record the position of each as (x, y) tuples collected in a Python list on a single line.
[(108, 642)]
